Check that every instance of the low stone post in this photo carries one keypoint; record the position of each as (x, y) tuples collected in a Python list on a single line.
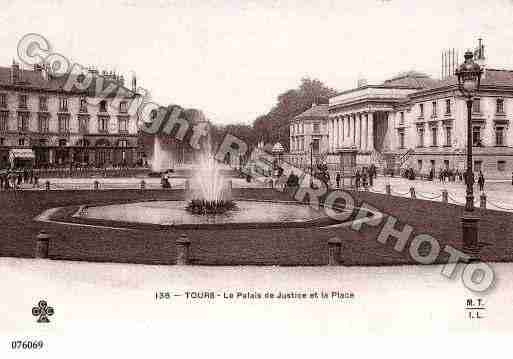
[(182, 250), (445, 196), (412, 193), (334, 251), (96, 184), (143, 184), (228, 191), (482, 200), (42, 244), (47, 185), (388, 189)]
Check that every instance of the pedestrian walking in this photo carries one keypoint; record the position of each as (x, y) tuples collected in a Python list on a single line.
[(481, 181)]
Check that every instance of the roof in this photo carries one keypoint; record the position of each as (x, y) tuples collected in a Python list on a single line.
[(31, 79), (315, 111), (411, 79)]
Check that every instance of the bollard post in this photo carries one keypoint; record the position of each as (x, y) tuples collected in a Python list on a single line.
[(412, 193), (182, 250), (482, 200), (42, 244), (96, 185), (388, 189), (445, 196), (229, 187), (334, 251), (47, 185), (143, 184)]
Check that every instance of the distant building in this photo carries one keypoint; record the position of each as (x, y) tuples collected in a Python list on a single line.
[(45, 124), (309, 132), (421, 122)]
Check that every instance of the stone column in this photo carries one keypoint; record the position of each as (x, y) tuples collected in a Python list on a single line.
[(341, 132), (332, 133), (370, 138), (353, 132), (358, 121), (51, 155), (334, 141), (365, 137)]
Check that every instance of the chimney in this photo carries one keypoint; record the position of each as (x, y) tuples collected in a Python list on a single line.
[(479, 56), (15, 72)]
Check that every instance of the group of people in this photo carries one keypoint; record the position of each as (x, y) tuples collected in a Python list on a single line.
[(12, 179), (364, 178)]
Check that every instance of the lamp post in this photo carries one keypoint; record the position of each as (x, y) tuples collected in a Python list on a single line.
[(469, 79)]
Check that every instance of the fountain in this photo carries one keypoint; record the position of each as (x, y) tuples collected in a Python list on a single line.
[(210, 192)]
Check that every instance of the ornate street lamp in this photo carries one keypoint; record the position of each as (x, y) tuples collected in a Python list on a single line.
[(469, 79)]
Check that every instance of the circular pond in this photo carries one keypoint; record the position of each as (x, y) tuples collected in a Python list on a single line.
[(174, 213)]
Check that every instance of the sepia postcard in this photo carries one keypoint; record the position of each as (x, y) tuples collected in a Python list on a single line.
[(248, 179)]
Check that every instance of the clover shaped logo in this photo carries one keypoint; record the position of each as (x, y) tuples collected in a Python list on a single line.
[(42, 311)]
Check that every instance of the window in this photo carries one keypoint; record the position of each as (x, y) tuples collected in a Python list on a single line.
[(3, 100), (400, 134), (446, 164), (22, 101), (123, 107), (434, 136), (501, 166), (123, 143), (83, 105), (419, 165), (103, 124), (3, 121), (21, 142), (476, 136), (476, 105), (62, 143), (499, 136), (123, 125), (448, 136), (83, 124), (421, 137), (63, 104), (63, 123), (448, 107), (435, 109), (421, 109), (23, 121), (401, 118), (500, 105), (43, 142), (478, 165), (103, 106), (43, 125), (43, 106), (316, 128), (2, 141)]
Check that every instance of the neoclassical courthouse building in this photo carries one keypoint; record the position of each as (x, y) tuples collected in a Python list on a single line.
[(42, 122), (414, 120)]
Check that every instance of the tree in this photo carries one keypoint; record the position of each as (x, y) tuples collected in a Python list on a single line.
[(274, 126)]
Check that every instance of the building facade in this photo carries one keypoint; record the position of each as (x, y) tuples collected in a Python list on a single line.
[(43, 121), (415, 121), (309, 136)]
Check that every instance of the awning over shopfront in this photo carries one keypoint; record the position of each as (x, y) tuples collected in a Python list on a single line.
[(22, 154)]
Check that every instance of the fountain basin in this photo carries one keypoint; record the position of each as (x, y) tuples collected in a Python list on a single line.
[(172, 213)]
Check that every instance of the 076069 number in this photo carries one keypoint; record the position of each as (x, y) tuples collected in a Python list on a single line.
[(27, 344)]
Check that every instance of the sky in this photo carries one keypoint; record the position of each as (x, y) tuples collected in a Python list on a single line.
[(232, 58)]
